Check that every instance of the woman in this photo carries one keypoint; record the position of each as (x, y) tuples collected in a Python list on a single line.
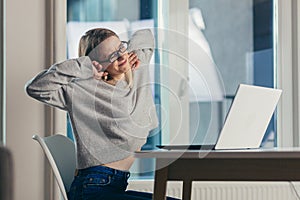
[(107, 94)]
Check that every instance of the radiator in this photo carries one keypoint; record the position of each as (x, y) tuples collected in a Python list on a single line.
[(227, 190)]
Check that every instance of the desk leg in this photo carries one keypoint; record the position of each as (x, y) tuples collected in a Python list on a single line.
[(160, 183), (187, 189)]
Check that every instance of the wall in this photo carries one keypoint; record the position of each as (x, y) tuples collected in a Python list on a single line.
[(25, 56)]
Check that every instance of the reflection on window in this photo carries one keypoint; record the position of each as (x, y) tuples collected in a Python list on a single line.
[(236, 36), (240, 39)]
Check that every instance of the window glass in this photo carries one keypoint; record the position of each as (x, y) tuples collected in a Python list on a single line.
[(236, 39)]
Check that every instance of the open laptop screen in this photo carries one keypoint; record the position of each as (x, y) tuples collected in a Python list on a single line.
[(246, 122)]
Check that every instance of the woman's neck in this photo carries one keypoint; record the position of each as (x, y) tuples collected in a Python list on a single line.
[(114, 79), (118, 77)]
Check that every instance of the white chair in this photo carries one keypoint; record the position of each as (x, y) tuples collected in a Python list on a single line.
[(60, 152)]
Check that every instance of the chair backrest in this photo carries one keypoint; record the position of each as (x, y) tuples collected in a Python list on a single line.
[(6, 174), (60, 152)]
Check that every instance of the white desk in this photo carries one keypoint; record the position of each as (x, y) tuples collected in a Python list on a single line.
[(230, 165)]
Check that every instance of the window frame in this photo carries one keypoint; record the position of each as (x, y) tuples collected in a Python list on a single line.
[(287, 13), (287, 72), (2, 74), (167, 26)]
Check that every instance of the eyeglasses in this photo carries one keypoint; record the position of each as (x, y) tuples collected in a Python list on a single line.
[(115, 55)]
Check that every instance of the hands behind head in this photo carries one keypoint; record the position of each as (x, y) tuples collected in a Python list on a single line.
[(99, 72), (133, 60)]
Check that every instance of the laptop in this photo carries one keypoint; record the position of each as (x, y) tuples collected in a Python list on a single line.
[(246, 122)]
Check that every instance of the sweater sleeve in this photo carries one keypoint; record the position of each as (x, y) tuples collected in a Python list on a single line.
[(142, 43), (50, 85)]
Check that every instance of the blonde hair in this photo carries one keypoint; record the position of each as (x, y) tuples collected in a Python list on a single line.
[(91, 39)]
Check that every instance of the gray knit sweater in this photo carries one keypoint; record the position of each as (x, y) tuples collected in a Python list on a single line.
[(109, 122)]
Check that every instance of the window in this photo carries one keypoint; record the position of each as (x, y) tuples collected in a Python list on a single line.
[(239, 39), (241, 42)]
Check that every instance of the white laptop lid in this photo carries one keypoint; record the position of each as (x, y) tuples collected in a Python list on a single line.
[(248, 117)]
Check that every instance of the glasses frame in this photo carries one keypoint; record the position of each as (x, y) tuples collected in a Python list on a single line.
[(116, 54)]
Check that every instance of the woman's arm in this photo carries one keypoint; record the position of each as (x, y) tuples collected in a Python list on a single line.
[(142, 43), (50, 85)]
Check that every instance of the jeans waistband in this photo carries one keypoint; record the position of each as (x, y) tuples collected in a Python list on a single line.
[(102, 169)]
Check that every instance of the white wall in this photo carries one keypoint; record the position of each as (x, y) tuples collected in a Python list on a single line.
[(25, 56)]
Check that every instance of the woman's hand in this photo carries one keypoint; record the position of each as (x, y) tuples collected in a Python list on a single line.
[(98, 71), (134, 60)]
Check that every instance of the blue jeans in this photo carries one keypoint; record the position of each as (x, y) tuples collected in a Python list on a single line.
[(104, 183)]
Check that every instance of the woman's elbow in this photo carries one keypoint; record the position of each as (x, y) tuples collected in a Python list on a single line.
[(30, 91), (27, 88)]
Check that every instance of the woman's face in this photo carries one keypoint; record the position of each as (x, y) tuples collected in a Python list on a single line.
[(106, 49)]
